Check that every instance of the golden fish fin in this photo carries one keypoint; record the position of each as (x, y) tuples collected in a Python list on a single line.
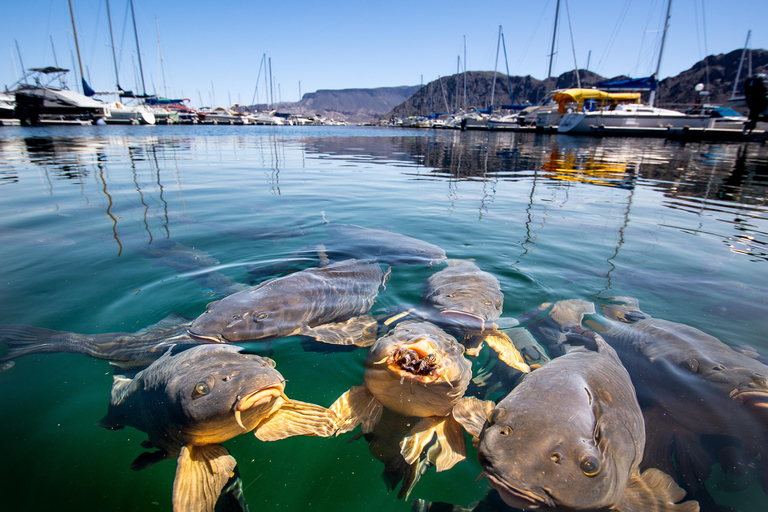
[(654, 491), (296, 418), (533, 353), (201, 474), (445, 431), (360, 331), (472, 413), (356, 406), (571, 312), (506, 350)]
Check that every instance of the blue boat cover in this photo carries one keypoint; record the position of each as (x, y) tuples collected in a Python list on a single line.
[(629, 85)]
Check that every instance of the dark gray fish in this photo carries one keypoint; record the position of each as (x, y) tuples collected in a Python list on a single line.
[(350, 241), (323, 303), (571, 437), (127, 351), (415, 379), (192, 399), (691, 386), (703, 387), (468, 300)]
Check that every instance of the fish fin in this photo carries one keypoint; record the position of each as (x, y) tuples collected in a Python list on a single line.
[(506, 350), (472, 413), (533, 353), (296, 418), (201, 474), (147, 459), (356, 406), (122, 387), (654, 491), (360, 331), (449, 436), (571, 312), (171, 321)]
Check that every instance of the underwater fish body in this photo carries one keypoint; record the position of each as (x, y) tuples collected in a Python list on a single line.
[(195, 397), (465, 299), (414, 383), (348, 240), (294, 304), (570, 436)]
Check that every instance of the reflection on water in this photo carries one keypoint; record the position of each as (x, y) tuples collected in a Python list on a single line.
[(112, 229)]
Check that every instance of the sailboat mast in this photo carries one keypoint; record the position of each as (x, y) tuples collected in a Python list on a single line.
[(77, 45), (661, 50), (465, 74), (56, 62), (506, 61), (573, 46), (136, 35), (554, 36), (495, 67), (112, 41), (160, 54), (741, 64)]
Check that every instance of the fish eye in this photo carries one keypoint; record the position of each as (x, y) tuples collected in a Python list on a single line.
[(590, 465), (201, 388), (261, 317)]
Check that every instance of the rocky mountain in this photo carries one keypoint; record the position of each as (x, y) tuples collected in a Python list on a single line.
[(718, 70), (352, 105), (447, 93)]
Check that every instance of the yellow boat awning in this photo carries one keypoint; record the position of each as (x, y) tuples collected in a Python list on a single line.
[(581, 95)]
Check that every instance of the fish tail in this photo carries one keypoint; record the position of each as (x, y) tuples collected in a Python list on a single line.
[(23, 340)]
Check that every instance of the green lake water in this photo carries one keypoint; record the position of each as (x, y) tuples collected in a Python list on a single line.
[(682, 227)]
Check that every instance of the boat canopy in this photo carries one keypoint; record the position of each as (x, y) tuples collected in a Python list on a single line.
[(580, 96), (647, 83), (166, 101)]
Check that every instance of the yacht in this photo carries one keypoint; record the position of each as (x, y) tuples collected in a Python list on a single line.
[(40, 103)]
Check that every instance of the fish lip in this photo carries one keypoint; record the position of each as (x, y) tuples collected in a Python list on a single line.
[(756, 399), (260, 397), (517, 498), (206, 339), (470, 319)]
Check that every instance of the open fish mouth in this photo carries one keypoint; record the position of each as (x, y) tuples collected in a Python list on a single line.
[(518, 498), (258, 400), (464, 318), (419, 362)]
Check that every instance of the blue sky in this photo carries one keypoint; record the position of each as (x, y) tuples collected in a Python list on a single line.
[(212, 50)]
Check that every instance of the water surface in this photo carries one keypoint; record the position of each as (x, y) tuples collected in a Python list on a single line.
[(88, 217)]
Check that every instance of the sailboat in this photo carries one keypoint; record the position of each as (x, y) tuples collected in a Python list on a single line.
[(633, 118), (122, 113)]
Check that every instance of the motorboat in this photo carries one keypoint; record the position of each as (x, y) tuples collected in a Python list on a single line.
[(129, 114), (221, 115), (40, 103), (7, 105), (504, 122)]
